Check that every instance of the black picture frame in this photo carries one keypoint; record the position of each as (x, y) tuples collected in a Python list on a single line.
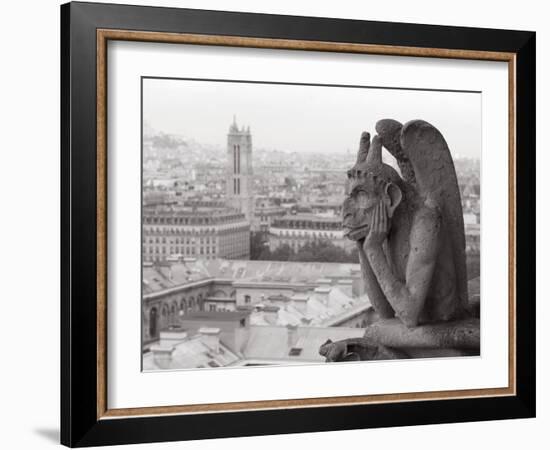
[(80, 425)]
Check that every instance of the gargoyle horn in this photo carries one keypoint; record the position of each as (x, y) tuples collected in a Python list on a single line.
[(374, 157), (364, 145)]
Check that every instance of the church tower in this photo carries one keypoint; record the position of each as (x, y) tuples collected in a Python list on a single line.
[(239, 170)]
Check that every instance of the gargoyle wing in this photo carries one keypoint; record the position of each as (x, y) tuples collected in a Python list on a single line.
[(426, 163)]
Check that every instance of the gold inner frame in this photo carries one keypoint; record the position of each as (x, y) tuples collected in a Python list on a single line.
[(104, 35)]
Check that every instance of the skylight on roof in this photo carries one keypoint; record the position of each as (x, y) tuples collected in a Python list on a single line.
[(295, 351)]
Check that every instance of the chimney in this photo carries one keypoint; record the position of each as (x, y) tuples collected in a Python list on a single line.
[(300, 302), (271, 313), (211, 338), (345, 282), (171, 337), (242, 334), (323, 281), (292, 335), (162, 355), (322, 293)]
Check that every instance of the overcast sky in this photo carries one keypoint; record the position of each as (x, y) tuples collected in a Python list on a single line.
[(305, 118)]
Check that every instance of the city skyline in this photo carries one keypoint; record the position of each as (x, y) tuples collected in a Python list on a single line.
[(245, 258), (323, 119)]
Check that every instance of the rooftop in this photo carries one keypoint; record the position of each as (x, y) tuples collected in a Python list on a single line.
[(159, 277), (308, 217), (330, 307), (279, 271), (265, 345), (273, 342), (193, 352), (223, 316)]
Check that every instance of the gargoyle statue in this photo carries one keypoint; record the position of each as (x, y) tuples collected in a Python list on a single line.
[(409, 229)]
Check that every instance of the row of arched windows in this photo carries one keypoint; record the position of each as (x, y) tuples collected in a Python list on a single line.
[(179, 220), (180, 231), (171, 312), (178, 241)]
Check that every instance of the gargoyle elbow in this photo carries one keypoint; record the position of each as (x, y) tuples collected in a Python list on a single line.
[(409, 320)]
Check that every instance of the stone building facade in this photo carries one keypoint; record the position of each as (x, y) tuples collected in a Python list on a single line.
[(166, 308), (265, 213), (291, 292), (299, 229), (202, 232)]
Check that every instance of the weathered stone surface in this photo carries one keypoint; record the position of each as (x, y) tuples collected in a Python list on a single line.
[(439, 352), (409, 231), (358, 349), (463, 334), (474, 297)]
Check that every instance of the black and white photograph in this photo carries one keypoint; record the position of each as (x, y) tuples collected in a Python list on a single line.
[(275, 225), (288, 224)]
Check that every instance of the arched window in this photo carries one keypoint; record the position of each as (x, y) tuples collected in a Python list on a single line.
[(153, 322), (183, 307), (164, 316), (192, 304), (173, 313), (200, 302)]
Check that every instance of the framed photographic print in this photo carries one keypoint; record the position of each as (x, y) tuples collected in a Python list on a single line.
[(276, 224)]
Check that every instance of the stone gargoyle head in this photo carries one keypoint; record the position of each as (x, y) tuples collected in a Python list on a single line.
[(369, 182)]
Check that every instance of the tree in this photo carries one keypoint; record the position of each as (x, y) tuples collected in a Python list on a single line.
[(324, 251), (257, 244), (281, 253), (312, 251)]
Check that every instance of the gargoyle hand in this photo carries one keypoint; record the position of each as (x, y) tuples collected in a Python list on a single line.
[(333, 351), (379, 227)]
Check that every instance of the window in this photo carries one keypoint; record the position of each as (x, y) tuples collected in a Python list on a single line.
[(295, 351), (212, 307), (153, 322), (247, 298)]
